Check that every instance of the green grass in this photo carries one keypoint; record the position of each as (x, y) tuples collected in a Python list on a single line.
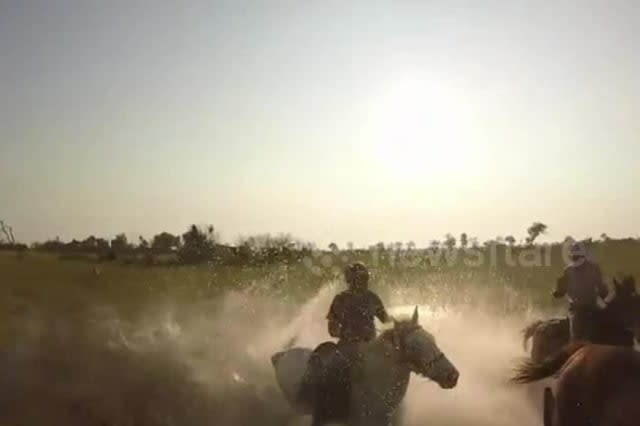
[(71, 351), (72, 287)]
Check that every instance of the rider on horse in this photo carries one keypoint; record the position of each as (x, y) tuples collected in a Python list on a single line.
[(352, 312), (582, 282), (350, 320)]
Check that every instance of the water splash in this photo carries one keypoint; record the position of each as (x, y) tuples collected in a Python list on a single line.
[(209, 362)]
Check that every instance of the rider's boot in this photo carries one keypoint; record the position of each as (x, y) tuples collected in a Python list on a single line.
[(313, 379), (310, 379)]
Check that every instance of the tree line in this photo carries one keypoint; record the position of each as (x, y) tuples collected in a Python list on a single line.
[(200, 244)]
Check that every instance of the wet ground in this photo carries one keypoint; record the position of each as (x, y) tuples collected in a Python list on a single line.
[(201, 365)]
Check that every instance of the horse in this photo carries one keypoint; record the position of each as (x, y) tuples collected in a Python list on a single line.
[(611, 324), (597, 385), (547, 337), (378, 384)]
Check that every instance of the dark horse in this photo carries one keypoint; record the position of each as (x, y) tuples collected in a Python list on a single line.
[(611, 324), (597, 385)]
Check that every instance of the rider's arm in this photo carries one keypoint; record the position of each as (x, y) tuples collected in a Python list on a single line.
[(561, 286), (379, 310), (603, 290), (334, 326)]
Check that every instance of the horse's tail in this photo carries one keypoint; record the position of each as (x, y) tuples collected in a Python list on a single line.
[(290, 343), (276, 357), (529, 331), (531, 371)]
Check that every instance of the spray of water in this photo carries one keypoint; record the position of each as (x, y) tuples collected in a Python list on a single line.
[(209, 363)]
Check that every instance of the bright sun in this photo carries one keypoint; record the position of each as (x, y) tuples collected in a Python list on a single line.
[(419, 129)]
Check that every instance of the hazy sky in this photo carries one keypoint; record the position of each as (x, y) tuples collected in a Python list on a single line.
[(331, 120)]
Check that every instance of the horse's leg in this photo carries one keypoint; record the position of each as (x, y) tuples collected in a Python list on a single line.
[(548, 407), (371, 414), (318, 418), (379, 419)]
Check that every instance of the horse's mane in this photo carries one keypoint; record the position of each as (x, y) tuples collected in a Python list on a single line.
[(401, 327), (530, 371), (625, 287), (625, 294), (529, 331)]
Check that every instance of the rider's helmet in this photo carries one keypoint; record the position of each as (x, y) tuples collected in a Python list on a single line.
[(577, 251), (357, 276)]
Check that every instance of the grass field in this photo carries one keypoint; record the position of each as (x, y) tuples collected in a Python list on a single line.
[(114, 344)]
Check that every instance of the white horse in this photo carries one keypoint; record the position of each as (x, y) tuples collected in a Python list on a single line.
[(383, 378)]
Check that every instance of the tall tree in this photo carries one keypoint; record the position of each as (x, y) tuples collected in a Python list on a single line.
[(449, 241), (165, 242), (143, 244), (198, 244), (534, 231), (464, 240), (120, 243)]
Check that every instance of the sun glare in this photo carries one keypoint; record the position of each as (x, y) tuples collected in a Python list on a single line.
[(419, 129)]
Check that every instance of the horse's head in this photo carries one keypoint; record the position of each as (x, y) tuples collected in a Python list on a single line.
[(417, 348), (625, 288), (625, 307)]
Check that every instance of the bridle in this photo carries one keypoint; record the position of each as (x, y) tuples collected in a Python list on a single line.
[(427, 366), (423, 367)]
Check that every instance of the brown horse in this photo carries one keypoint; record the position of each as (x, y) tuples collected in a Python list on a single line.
[(613, 324), (547, 337), (597, 385)]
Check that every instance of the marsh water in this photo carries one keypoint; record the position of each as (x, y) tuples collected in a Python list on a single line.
[(208, 364)]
